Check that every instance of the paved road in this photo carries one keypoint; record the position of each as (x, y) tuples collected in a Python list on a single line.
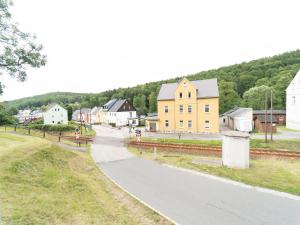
[(187, 198)]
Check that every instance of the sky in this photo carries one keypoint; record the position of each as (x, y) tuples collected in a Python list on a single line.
[(97, 45)]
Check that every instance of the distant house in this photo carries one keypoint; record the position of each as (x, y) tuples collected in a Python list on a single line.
[(55, 114), (280, 115), (238, 119), (119, 112), (293, 103), (262, 123), (94, 118), (82, 115), (23, 116)]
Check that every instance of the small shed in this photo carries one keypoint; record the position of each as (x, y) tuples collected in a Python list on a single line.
[(262, 122), (152, 122), (280, 115), (239, 119)]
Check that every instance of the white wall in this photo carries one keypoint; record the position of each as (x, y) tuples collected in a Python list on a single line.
[(56, 115), (293, 106), (244, 121), (119, 118)]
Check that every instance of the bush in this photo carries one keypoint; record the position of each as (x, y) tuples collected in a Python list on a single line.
[(57, 127), (113, 124)]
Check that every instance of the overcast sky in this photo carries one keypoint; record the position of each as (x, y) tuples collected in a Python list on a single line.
[(96, 45)]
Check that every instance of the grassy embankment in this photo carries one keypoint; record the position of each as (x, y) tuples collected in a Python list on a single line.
[(52, 136), (278, 174), (293, 145), (41, 183)]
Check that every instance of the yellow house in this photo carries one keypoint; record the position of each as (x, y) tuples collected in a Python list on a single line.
[(189, 106)]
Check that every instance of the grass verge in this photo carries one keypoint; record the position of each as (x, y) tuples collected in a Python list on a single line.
[(41, 183), (277, 174)]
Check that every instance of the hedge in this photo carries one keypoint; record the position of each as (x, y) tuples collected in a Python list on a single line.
[(58, 127)]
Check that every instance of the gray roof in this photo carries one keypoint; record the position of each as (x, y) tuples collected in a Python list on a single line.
[(274, 111), (117, 105), (238, 111), (110, 103), (206, 89)]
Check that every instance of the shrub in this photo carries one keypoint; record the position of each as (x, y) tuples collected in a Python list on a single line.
[(56, 127), (113, 124)]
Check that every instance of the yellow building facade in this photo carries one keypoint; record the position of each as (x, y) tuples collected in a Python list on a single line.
[(189, 106)]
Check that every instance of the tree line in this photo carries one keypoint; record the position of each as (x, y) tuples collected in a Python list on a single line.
[(242, 84)]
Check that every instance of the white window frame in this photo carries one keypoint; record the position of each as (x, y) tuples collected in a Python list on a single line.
[(167, 123), (190, 108), (166, 109), (181, 124), (181, 108), (207, 124), (190, 124), (206, 108)]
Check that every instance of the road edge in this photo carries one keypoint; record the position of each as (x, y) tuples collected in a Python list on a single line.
[(236, 183), (137, 198)]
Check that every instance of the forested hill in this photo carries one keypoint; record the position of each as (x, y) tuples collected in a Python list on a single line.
[(242, 84)]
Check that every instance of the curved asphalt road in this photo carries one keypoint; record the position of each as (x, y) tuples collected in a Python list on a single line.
[(188, 198)]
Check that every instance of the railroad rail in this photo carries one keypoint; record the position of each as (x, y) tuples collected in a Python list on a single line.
[(213, 150)]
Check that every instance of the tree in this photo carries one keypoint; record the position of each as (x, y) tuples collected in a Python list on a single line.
[(255, 97), (70, 112), (153, 102), (229, 98), (18, 50), (139, 102)]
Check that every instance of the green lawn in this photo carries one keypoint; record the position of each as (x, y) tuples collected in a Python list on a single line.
[(293, 145), (278, 174), (41, 183)]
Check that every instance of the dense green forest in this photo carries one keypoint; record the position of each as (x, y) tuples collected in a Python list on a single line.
[(242, 84)]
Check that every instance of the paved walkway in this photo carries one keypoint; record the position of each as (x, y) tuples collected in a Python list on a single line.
[(189, 198)]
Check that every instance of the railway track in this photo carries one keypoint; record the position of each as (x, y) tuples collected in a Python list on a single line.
[(213, 150)]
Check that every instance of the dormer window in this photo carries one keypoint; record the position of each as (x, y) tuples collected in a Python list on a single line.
[(180, 95)]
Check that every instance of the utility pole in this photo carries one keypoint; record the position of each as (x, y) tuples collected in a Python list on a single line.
[(271, 115), (266, 103)]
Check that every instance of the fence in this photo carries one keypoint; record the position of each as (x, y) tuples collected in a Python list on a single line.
[(51, 135)]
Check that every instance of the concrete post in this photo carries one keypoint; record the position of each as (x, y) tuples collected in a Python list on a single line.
[(235, 149)]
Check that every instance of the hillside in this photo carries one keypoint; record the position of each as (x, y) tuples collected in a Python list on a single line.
[(241, 84)]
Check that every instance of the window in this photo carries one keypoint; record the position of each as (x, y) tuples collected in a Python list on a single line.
[(190, 125), (206, 108), (190, 94), (294, 100), (181, 123), (206, 124), (52, 121), (57, 109), (189, 108), (181, 108), (166, 123), (180, 95), (166, 109)]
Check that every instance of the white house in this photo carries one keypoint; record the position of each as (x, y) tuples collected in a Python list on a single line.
[(119, 112), (55, 114), (293, 103), (238, 119)]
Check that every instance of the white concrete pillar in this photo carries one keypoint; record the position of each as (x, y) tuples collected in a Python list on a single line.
[(235, 149)]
